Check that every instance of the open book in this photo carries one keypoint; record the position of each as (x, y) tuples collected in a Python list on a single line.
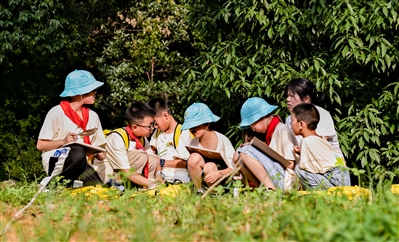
[(209, 155), (90, 149), (257, 143)]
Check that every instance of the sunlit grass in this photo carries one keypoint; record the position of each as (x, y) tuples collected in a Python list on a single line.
[(58, 216)]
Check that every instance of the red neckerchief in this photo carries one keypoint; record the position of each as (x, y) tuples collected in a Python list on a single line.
[(75, 118), (270, 130), (139, 146)]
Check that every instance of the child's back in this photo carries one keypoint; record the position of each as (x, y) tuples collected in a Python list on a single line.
[(317, 155), (320, 166)]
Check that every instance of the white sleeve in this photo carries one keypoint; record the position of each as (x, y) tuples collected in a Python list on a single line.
[(227, 150), (326, 123), (99, 137), (288, 121), (47, 129), (116, 152), (184, 139), (153, 141)]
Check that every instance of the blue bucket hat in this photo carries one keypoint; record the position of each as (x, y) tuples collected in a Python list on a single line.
[(80, 82), (197, 114), (254, 109)]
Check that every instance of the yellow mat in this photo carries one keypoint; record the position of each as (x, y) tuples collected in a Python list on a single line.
[(350, 192)]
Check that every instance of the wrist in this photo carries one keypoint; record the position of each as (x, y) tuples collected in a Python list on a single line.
[(220, 174), (162, 162)]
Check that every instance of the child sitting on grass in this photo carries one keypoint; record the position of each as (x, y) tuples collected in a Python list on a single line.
[(256, 166), (320, 166), (197, 119), (136, 160), (169, 142)]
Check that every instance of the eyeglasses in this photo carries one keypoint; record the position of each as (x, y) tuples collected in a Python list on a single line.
[(151, 126)]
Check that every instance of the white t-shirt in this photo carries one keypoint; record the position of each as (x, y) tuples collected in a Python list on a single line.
[(325, 128), (283, 142), (57, 125), (225, 148), (117, 153), (166, 150), (317, 155)]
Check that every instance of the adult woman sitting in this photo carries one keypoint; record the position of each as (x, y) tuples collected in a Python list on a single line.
[(302, 90)]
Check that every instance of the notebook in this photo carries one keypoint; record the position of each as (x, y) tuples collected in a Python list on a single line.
[(90, 149), (209, 155), (257, 143)]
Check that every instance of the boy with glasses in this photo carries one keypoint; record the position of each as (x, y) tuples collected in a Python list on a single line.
[(136, 158)]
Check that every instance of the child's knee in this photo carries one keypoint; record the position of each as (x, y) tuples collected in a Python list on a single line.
[(138, 160), (209, 167), (195, 159), (153, 162)]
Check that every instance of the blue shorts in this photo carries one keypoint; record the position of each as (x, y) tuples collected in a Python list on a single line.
[(274, 169), (335, 177)]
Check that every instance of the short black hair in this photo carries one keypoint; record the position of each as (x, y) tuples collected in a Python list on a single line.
[(137, 111), (159, 105), (307, 113)]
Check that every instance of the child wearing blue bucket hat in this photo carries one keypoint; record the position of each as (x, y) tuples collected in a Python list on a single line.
[(197, 119), (63, 125), (257, 167)]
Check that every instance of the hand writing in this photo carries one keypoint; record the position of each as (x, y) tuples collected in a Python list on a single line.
[(71, 137)]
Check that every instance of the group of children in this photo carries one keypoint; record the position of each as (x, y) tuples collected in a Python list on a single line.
[(308, 141)]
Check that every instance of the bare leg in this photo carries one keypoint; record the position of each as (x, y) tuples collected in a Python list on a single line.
[(209, 168), (257, 169), (195, 165), (248, 176)]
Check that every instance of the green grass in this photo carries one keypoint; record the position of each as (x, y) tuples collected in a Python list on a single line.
[(57, 216)]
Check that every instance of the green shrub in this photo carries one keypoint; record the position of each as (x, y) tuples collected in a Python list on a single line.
[(348, 48)]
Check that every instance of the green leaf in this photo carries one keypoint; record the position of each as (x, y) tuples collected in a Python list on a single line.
[(227, 92), (385, 11), (372, 118), (383, 49), (345, 51), (361, 143), (215, 72), (270, 33), (316, 64)]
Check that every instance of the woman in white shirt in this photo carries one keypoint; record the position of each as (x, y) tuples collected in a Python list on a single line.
[(302, 90)]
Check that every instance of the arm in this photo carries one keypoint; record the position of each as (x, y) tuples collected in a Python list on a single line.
[(46, 145), (178, 163), (135, 177)]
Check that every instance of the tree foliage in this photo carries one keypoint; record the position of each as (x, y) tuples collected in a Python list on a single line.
[(150, 48), (216, 52), (348, 48)]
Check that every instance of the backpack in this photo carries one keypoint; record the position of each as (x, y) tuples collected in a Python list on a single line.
[(123, 133), (176, 135)]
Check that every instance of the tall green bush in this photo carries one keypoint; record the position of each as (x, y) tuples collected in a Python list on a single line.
[(348, 48), (150, 48)]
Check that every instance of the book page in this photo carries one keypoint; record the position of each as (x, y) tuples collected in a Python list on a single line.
[(90, 149)]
